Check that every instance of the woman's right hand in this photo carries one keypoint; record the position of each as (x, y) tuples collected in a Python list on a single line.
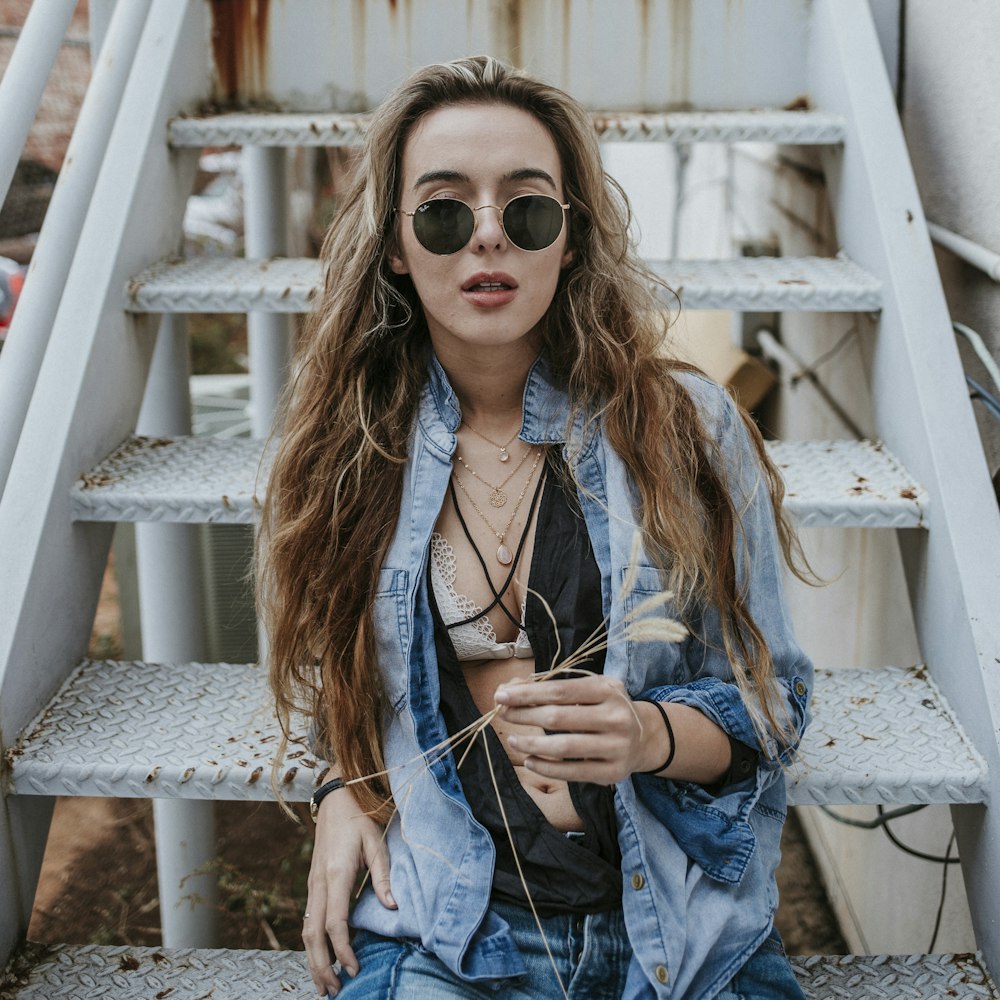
[(346, 842)]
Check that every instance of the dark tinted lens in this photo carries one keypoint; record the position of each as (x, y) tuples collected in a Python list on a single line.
[(443, 225), (533, 221)]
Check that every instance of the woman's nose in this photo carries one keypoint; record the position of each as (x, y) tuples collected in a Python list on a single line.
[(489, 233)]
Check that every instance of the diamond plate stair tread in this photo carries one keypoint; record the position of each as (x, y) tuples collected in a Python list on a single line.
[(191, 480), (338, 129), (290, 285), (137, 730), (90, 972)]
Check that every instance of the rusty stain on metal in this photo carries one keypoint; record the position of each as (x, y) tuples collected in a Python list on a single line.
[(254, 776), (152, 776), (681, 16), (239, 47), (289, 776), (128, 963), (226, 502), (908, 493), (359, 25), (187, 775)]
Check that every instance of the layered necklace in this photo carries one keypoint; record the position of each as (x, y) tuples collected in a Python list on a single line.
[(504, 455), (504, 555), (497, 496)]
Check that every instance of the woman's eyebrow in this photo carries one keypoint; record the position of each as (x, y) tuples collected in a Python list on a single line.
[(434, 176), (457, 177), (529, 174)]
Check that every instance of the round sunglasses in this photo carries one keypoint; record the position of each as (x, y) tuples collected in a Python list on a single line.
[(530, 221)]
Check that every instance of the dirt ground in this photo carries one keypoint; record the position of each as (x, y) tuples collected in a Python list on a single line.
[(98, 882)]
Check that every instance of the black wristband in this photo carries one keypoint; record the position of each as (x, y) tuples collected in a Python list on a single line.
[(333, 785), (670, 733)]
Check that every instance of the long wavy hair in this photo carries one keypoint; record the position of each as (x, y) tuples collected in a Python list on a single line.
[(334, 494)]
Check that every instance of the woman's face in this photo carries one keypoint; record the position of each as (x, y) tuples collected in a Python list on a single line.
[(490, 295)]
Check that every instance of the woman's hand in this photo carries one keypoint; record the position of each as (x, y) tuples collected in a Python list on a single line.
[(346, 841), (596, 732)]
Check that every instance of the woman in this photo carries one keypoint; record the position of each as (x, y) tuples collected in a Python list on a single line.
[(481, 424)]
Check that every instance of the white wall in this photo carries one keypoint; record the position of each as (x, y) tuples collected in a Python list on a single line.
[(950, 94)]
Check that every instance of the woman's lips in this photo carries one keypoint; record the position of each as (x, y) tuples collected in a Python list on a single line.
[(490, 289)]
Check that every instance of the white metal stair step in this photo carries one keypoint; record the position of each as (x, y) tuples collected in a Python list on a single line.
[(204, 479), (207, 731), (126, 973), (258, 128), (290, 285)]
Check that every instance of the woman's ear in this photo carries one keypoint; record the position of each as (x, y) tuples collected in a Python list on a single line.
[(567, 259), (396, 263)]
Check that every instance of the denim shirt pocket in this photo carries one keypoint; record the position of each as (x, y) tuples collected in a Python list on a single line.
[(719, 839), (651, 663), (392, 633)]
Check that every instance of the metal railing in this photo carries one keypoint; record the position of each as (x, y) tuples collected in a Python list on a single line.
[(20, 94)]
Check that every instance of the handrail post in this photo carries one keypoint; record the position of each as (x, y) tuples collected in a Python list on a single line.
[(173, 631)]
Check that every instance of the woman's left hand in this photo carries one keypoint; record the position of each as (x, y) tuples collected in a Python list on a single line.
[(595, 732)]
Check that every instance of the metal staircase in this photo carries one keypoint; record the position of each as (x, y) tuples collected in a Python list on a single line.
[(203, 731)]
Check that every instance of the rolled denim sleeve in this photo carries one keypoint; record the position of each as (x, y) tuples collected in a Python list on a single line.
[(714, 829)]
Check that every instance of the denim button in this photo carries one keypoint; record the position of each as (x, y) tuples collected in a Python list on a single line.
[(661, 973), (638, 881), (800, 689)]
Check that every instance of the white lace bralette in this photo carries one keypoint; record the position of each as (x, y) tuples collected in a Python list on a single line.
[(475, 640)]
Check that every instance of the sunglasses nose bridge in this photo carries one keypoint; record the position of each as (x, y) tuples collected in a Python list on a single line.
[(499, 209)]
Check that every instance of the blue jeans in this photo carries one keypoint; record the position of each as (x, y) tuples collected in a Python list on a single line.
[(591, 955)]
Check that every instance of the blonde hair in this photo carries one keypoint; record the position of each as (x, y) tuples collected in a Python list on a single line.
[(334, 494)]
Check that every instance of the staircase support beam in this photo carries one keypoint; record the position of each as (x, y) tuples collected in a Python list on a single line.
[(922, 410)]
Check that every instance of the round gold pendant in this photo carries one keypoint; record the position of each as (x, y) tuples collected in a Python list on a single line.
[(498, 498)]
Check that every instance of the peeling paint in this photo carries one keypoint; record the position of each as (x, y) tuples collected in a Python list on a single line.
[(239, 49)]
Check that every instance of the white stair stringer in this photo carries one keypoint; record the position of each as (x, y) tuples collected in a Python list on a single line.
[(66, 971), (295, 129), (86, 397), (218, 480), (921, 409), (880, 735), (290, 285)]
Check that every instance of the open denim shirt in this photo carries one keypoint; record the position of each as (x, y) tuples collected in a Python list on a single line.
[(698, 886)]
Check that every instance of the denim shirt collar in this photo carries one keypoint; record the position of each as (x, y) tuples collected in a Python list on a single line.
[(545, 406)]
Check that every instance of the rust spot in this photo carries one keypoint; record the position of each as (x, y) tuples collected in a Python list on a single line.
[(800, 103), (187, 775), (255, 775), (861, 700), (289, 776), (226, 502), (128, 963), (242, 763), (158, 958), (239, 47), (164, 993), (909, 493), (909, 216), (152, 776), (831, 742), (296, 754), (873, 739), (793, 281), (919, 672)]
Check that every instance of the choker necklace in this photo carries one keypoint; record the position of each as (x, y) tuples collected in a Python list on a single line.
[(497, 496), (504, 453), (504, 555)]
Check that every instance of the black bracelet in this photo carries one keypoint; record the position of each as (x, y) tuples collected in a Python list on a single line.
[(333, 785), (670, 733)]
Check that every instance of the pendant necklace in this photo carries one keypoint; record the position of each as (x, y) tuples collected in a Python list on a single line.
[(504, 555), (504, 453), (497, 496)]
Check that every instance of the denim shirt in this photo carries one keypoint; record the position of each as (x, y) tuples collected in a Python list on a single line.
[(698, 886)]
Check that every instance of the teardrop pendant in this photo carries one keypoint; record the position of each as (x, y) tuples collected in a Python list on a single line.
[(504, 556), (504, 455)]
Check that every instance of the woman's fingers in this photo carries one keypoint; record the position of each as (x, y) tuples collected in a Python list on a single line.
[(378, 867), (317, 947), (577, 691)]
